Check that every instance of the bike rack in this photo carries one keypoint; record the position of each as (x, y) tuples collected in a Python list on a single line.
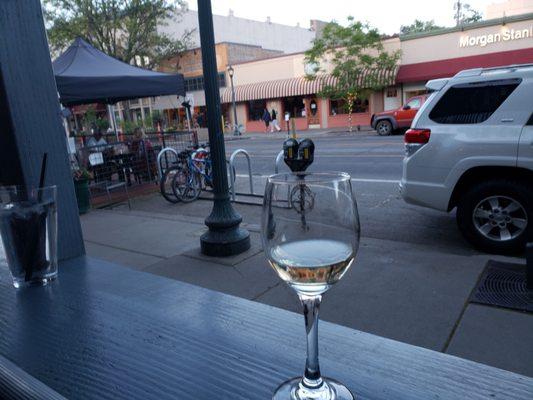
[(232, 172), (279, 157), (159, 169)]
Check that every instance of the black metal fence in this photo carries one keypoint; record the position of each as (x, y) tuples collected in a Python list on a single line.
[(125, 162)]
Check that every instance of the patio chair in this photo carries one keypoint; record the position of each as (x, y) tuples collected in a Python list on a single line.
[(103, 174)]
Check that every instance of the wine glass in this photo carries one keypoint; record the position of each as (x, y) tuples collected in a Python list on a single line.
[(310, 232)]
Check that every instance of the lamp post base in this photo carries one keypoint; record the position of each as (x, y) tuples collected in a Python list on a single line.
[(225, 243), (224, 237)]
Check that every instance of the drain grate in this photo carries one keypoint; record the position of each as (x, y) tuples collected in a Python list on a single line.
[(503, 285)]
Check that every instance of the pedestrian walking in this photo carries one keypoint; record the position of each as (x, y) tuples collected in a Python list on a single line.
[(266, 119), (275, 124)]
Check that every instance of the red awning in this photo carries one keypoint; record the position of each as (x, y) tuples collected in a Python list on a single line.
[(447, 68)]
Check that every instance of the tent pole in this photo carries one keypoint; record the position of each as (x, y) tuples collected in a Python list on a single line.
[(111, 112), (187, 113)]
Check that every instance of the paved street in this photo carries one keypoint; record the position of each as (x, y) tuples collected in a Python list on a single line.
[(375, 164), (411, 281), (364, 155)]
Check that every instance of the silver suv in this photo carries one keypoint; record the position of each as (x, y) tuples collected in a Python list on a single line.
[(471, 147)]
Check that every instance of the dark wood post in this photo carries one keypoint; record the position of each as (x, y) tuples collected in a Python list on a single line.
[(30, 121), (224, 237)]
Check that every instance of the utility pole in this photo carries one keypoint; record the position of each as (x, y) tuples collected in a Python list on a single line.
[(225, 237), (458, 12)]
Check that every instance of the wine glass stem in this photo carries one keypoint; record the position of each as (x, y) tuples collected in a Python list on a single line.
[(311, 306)]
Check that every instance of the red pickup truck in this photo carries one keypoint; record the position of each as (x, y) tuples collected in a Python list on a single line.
[(386, 122)]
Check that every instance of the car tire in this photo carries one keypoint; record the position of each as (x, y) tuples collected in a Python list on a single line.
[(384, 127), (497, 216)]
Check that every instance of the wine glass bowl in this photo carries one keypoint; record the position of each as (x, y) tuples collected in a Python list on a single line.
[(310, 232)]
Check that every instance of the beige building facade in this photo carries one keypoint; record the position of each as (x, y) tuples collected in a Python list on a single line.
[(279, 82)]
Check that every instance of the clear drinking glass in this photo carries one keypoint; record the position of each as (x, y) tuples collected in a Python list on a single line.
[(28, 232), (310, 231)]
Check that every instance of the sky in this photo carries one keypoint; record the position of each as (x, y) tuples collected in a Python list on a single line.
[(386, 15)]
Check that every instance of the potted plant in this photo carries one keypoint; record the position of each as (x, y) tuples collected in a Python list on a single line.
[(81, 185)]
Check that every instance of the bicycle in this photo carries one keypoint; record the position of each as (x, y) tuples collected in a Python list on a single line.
[(167, 178), (196, 174)]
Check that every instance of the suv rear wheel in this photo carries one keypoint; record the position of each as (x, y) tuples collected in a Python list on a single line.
[(497, 215), (384, 127)]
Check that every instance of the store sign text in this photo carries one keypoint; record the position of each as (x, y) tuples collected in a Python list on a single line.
[(503, 36)]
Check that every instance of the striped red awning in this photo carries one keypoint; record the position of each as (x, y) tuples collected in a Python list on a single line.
[(300, 86)]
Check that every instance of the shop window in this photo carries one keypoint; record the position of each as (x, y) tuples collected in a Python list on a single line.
[(295, 106), (341, 106), (197, 83), (472, 103), (199, 117), (392, 92), (256, 109), (221, 79)]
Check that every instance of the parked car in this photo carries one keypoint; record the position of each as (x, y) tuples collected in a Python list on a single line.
[(470, 147), (386, 122)]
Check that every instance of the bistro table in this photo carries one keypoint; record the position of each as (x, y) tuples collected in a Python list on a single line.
[(103, 331)]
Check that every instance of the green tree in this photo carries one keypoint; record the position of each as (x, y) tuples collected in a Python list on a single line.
[(419, 26), (354, 55), (124, 29), (95, 121), (465, 14)]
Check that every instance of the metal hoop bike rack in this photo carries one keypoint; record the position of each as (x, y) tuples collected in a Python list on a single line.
[(233, 177), (160, 155)]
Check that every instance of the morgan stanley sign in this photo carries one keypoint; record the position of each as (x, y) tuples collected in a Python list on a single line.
[(502, 36)]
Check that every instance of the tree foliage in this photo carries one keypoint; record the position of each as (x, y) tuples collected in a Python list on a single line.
[(354, 55), (124, 29), (465, 14), (95, 121), (419, 26)]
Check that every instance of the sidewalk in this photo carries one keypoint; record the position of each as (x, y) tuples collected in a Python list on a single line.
[(310, 133), (415, 294)]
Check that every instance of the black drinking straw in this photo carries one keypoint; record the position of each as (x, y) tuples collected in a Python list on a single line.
[(43, 175)]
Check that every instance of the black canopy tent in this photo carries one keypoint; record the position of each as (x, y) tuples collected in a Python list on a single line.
[(86, 75)]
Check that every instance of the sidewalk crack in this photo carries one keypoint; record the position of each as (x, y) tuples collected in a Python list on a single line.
[(461, 314), (265, 291), (124, 249)]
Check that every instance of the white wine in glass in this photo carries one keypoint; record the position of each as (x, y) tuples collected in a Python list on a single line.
[(310, 231), (311, 266)]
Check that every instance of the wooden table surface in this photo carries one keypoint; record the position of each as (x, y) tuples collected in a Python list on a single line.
[(103, 331)]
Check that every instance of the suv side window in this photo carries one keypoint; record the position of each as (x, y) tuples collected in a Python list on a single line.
[(530, 122), (472, 103)]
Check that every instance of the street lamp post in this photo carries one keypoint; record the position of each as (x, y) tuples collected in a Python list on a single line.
[(236, 131), (225, 237)]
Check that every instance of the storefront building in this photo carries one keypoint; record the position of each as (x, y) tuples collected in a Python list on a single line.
[(279, 82), (189, 64)]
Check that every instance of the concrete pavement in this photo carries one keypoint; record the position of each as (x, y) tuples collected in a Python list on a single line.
[(414, 291)]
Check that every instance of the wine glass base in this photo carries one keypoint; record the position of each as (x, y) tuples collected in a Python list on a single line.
[(330, 390)]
